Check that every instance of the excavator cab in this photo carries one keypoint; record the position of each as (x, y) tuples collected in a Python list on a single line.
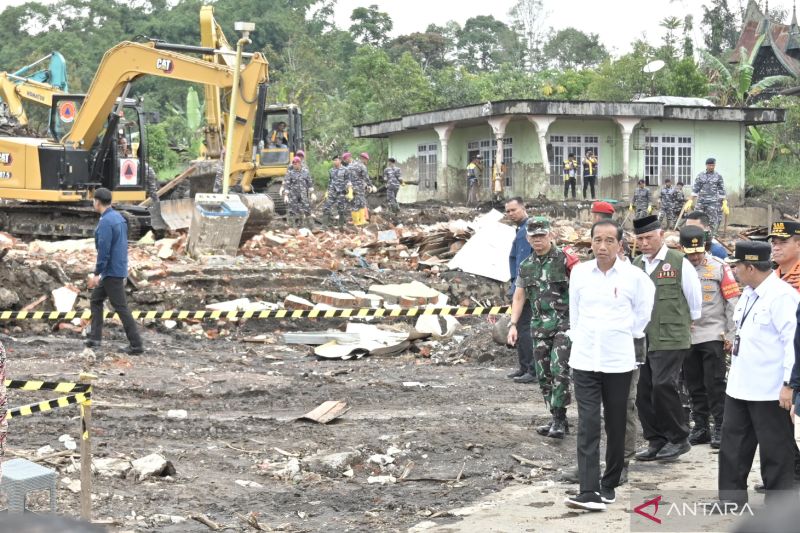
[(117, 158), (278, 134)]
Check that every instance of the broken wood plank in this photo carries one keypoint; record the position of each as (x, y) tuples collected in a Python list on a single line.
[(528, 462), (206, 521), (326, 412)]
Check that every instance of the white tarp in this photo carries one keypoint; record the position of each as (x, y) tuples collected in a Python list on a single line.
[(486, 253)]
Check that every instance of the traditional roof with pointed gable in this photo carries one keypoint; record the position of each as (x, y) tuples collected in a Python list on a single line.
[(780, 49)]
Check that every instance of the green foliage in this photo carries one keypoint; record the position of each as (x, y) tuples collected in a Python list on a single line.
[(720, 30), (485, 43), (571, 48), (370, 26), (773, 179), (161, 157)]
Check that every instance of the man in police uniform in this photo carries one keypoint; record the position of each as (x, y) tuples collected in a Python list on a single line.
[(678, 303), (708, 190), (704, 367), (473, 174), (544, 281), (785, 240), (758, 396)]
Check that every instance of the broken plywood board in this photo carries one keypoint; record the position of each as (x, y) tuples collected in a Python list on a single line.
[(326, 412), (486, 253), (372, 340), (320, 337), (413, 290)]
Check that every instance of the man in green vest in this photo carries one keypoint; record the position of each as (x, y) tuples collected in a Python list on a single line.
[(679, 300)]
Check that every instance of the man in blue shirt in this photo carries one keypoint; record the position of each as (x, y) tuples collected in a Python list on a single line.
[(699, 218), (520, 250), (111, 273)]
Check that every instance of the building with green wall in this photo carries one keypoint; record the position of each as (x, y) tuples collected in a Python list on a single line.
[(652, 139)]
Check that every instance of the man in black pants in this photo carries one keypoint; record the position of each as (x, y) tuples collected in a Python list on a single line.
[(604, 291), (758, 397), (520, 250), (111, 273), (679, 301)]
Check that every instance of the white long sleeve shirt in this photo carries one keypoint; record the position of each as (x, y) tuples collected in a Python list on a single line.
[(766, 320), (606, 312), (690, 283)]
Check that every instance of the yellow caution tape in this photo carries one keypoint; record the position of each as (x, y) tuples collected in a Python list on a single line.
[(49, 405), (278, 313), (31, 385)]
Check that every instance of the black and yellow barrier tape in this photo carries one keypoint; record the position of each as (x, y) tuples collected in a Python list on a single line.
[(32, 385), (277, 313), (49, 405)]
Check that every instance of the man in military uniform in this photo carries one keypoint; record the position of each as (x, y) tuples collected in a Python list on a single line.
[(680, 200), (473, 170), (708, 190), (704, 367), (571, 167), (296, 190), (359, 179), (640, 205), (392, 177), (339, 193), (666, 200), (589, 173), (678, 303), (543, 281)]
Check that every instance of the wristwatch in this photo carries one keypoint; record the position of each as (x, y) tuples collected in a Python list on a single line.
[(512, 324), (786, 384)]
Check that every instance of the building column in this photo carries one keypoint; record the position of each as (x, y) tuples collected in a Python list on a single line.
[(498, 125), (542, 124), (627, 124), (444, 131)]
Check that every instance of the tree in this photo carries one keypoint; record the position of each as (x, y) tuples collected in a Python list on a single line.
[(429, 49), (371, 26), (528, 19), (570, 48), (670, 39), (732, 85), (719, 28), (485, 43), (688, 45)]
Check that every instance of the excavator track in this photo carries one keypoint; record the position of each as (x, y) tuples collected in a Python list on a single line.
[(64, 221)]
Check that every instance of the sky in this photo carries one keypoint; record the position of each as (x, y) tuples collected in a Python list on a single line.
[(617, 22)]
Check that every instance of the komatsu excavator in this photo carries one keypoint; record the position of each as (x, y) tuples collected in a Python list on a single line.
[(26, 85), (99, 140)]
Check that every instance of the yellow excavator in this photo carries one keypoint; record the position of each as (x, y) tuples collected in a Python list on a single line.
[(27, 85), (99, 140)]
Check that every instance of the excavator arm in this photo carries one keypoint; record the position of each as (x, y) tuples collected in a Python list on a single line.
[(212, 36), (127, 61), (38, 87)]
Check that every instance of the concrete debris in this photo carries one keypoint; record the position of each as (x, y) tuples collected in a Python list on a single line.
[(177, 413), (380, 459), (412, 292), (111, 467), (339, 300), (164, 519), (8, 298), (248, 484), (371, 339), (296, 303), (333, 463), (326, 412), (72, 485), (64, 298), (382, 480), (153, 465), (147, 238), (440, 327), (44, 450), (68, 442), (68, 246)]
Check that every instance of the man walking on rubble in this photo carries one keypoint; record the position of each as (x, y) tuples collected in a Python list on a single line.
[(708, 190), (111, 273), (543, 281), (521, 250), (338, 195)]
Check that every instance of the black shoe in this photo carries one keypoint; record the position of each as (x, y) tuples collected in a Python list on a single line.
[(544, 429), (607, 495), (588, 501), (91, 343), (649, 453), (525, 378), (716, 436), (760, 488), (569, 475), (673, 450), (559, 427), (699, 435), (133, 350), (516, 374)]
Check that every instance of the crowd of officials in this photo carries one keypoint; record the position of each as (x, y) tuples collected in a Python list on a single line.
[(642, 331)]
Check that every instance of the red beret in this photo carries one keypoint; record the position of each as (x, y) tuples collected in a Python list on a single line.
[(603, 207), (365, 155)]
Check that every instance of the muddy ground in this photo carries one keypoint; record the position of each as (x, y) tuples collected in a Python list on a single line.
[(462, 421)]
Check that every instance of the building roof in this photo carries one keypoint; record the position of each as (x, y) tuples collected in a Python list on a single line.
[(783, 39), (478, 113)]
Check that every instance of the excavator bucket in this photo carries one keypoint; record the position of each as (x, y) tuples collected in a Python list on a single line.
[(171, 214), (262, 209)]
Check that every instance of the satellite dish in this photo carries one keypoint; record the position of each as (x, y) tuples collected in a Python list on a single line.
[(653, 66)]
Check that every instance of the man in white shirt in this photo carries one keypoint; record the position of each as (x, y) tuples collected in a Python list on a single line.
[(758, 397), (610, 305), (679, 300)]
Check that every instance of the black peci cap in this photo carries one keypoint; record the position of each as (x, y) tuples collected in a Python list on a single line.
[(646, 224), (754, 251)]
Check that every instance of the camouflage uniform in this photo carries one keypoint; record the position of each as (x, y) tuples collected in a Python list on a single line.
[(667, 206), (641, 201), (337, 194), (359, 177), (546, 285), (392, 178), (295, 185), (680, 200), (710, 191)]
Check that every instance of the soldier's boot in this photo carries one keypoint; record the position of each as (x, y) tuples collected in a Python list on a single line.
[(544, 429), (326, 220), (699, 433), (559, 427)]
